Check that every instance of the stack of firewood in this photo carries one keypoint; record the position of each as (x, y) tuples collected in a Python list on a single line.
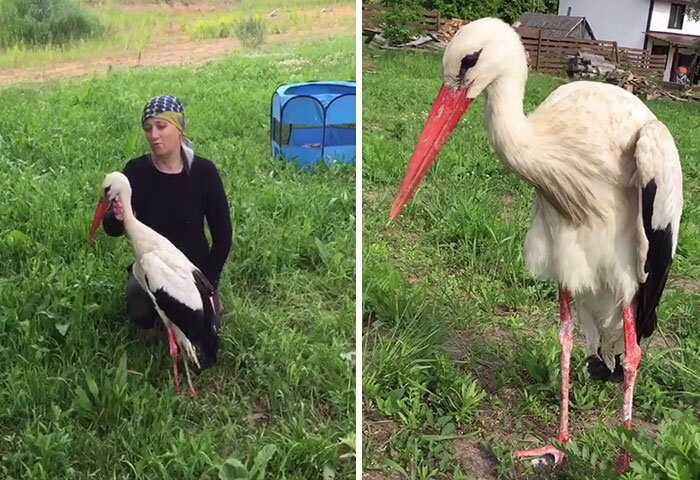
[(449, 28), (648, 89), (587, 65)]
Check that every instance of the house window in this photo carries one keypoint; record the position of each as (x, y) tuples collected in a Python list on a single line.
[(675, 20)]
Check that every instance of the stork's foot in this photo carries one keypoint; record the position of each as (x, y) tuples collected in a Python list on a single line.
[(193, 394), (599, 371), (548, 455), (623, 462)]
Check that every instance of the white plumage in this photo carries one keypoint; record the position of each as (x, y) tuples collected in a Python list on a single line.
[(608, 188)]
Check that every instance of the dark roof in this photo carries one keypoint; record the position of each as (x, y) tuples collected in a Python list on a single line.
[(677, 39), (552, 25)]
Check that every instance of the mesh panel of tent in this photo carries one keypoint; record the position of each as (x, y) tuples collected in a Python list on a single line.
[(314, 121)]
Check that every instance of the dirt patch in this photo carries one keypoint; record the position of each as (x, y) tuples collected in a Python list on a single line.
[(378, 430), (376, 475), (260, 416), (475, 459), (461, 343), (178, 8), (177, 53), (688, 285), (372, 199), (661, 341)]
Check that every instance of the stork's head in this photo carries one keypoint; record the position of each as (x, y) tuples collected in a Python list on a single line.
[(481, 53), (115, 185)]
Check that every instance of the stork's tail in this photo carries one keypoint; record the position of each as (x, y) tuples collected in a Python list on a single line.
[(660, 183)]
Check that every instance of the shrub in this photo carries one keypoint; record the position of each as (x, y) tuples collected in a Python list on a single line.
[(251, 31), (44, 22)]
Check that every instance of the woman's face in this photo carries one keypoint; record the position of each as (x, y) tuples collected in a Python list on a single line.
[(162, 136)]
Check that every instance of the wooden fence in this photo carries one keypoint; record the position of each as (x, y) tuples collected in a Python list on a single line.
[(372, 15), (551, 54)]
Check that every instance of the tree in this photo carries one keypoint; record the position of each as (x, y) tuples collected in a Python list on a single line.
[(694, 9)]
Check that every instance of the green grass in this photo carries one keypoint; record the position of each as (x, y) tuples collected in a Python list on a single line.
[(128, 29), (80, 396), (461, 352)]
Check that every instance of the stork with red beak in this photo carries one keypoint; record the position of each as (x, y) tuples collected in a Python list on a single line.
[(181, 294), (608, 201)]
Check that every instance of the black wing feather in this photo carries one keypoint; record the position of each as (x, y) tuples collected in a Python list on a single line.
[(188, 320), (657, 265)]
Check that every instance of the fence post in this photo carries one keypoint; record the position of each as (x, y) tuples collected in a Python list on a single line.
[(539, 50), (438, 21), (617, 56)]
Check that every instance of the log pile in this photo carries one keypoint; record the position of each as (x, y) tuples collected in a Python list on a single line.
[(647, 89), (449, 28), (588, 65)]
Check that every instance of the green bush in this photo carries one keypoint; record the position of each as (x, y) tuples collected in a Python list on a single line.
[(400, 13), (44, 22), (397, 20), (251, 31)]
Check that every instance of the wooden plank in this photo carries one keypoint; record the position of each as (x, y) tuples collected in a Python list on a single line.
[(539, 50), (528, 32)]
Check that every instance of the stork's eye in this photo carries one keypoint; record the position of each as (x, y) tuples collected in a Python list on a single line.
[(107, 190), (468, 61)]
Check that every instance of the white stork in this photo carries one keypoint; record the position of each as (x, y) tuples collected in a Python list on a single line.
[(181, 294), (608, 198)]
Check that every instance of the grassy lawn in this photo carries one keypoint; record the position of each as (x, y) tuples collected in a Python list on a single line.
[(80, 396), (461, 355), (131, 27)]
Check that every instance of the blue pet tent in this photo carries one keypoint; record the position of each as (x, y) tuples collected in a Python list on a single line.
[(314, 121)]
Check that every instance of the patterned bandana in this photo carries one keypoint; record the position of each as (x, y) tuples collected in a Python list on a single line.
[(169, 108)]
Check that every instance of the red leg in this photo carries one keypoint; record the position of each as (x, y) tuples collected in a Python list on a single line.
[(566, 328), (630, 363), (173, 354)]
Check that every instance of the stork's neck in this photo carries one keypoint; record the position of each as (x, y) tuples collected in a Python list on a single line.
[(136, 230), (129, 218), (509, 130)]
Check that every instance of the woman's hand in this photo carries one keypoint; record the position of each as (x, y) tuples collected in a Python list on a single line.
[(118, 209)]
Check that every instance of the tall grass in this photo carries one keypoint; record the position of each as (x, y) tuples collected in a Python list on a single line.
[(44, 22), (250, 31), (80, 396)]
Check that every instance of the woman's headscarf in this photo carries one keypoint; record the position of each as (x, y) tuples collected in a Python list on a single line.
[(169, 108)]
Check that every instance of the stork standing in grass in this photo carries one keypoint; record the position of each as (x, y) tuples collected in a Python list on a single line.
[(181, 294), (608, 198)]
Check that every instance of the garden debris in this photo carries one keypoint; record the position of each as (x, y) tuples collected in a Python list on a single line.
[(429, 41), (648, 89), (588, 65), (449, 29)]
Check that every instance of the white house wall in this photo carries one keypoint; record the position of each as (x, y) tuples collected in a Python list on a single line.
[(659, 20), (623, 21)]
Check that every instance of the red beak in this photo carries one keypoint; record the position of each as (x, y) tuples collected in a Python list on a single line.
[(448, 108), (97, 219)]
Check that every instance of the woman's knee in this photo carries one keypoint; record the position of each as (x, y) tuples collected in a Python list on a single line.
[(139, 305)]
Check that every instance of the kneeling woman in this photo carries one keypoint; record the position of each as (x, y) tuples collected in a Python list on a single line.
[(173, 191)]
